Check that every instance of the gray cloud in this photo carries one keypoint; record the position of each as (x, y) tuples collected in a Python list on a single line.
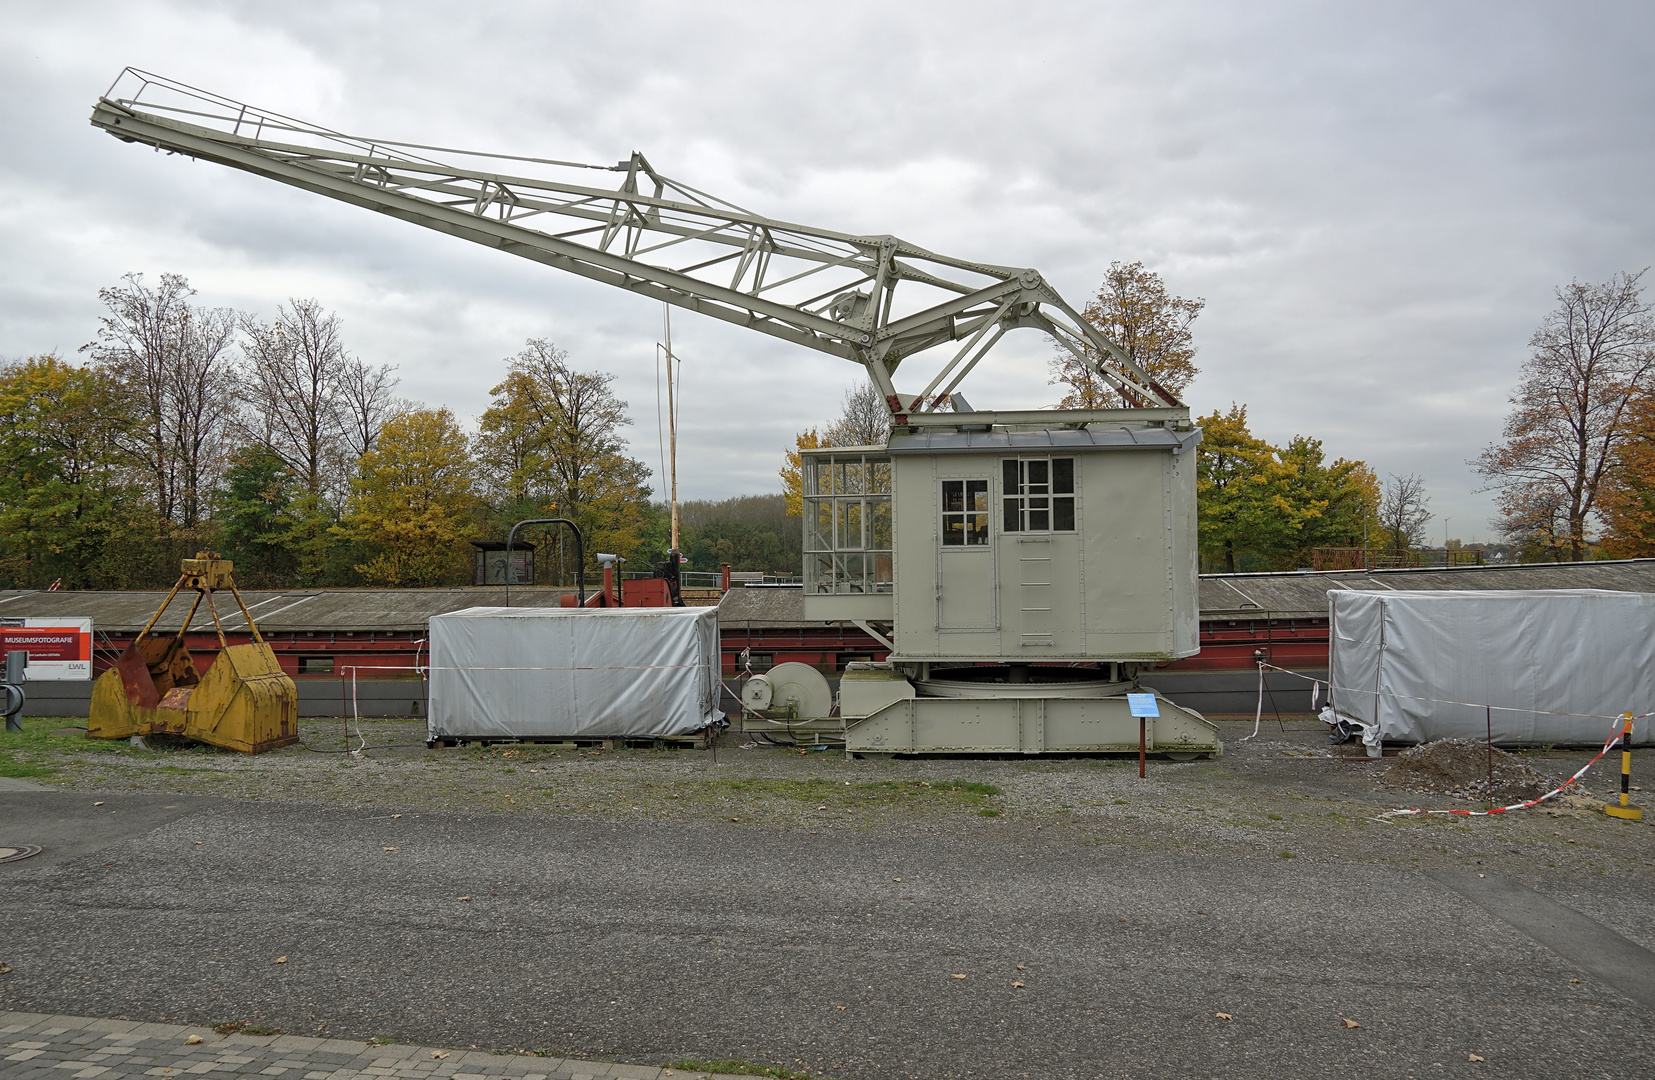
[(1376, 203)]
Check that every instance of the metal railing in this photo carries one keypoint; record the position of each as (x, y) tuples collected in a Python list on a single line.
[(1326, 558)]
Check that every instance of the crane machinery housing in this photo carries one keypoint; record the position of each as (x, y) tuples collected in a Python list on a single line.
[(1023, 567)]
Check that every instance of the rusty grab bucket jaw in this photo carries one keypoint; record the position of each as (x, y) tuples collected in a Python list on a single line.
[(243, 701)]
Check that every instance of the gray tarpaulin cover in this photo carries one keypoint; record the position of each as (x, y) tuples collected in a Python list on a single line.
[(569, 673), (1540, 653)]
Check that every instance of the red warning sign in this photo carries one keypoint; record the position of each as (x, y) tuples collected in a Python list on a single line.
[(58, 648)]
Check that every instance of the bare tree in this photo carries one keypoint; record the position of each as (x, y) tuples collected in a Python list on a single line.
[(201, 401), (864, 421), (366, 404), (173, 358), (293, 387), (1402, 511), (1589, 359)]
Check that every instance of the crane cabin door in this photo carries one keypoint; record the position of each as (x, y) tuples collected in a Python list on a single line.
[(1040, 557), (965, 559)]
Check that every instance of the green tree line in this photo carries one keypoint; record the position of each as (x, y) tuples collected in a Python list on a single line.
[(187, 427)]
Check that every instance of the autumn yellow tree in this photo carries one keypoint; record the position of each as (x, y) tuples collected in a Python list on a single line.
[(1241, 499), (864, 420), (552, 438), (413, 506), (69, 508), (1591, 358), (1134, 310), (1626, 501), (792, 472), (1276, 505)]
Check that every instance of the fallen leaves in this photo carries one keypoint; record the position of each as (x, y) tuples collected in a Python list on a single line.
[(395, 816), (465, 898), (1349, 1022), (1019, 986), (956, 976), (1022, 967), (194, 1040), (388, 849), (281, 959), (841, 1008), (439, 1054), (1223, 1016), (5, 969), (1475, 1057), (97, 804), (896, 879), (1574, 980)]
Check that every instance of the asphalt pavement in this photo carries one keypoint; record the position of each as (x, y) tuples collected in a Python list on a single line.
[(988, 948)]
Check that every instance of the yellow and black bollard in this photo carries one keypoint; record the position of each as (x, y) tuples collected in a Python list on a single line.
[(1625, 809)]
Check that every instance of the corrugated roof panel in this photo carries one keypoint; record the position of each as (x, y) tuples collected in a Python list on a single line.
[(1300, 594)]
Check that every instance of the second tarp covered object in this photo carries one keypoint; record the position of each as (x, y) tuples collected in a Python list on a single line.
[(1555, 664), (506, 673)]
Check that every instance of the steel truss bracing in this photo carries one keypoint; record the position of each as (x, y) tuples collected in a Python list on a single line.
[(875, 300)]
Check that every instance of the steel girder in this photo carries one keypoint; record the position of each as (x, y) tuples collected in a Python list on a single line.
[(830, 291)]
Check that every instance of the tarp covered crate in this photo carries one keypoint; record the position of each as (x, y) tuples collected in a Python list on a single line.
[(596, 673), (1555, 664)]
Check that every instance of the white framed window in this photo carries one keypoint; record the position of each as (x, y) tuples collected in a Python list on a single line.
[(964, 513), (1038, 494), (847, 517)]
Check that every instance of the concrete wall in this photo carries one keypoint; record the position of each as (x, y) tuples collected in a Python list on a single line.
[(1204, 691), (1218, 692), (317, 697)]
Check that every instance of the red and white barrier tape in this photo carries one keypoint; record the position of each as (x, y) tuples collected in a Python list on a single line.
[(1610, 744), (1614, 740)]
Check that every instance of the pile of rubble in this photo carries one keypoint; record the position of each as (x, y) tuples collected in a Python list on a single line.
[(1459, 769)]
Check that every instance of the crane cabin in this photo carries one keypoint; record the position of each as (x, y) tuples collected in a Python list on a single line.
[(986, 541)]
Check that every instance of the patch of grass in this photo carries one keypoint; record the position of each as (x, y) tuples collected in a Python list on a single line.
[(738, 1067), (988, 813), (1274, 817), (1286, 855), (260, 1029), (30, 752), (10, 767)]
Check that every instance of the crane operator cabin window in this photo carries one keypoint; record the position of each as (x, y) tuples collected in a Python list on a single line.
[(1039, 494), (847, 509), (964, 513)]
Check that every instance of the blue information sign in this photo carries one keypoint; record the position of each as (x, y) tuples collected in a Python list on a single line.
[(1143, 705)]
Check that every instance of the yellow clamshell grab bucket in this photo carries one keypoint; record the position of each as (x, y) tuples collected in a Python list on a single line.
[(243, 701)]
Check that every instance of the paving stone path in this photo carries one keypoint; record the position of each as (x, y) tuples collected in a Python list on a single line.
[(36, 1047)]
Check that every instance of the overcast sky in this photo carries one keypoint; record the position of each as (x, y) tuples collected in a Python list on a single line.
[(1376, 201)]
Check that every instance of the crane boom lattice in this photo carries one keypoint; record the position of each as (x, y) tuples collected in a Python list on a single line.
[(875, 300)]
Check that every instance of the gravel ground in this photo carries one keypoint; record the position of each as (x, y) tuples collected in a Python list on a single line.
[(1284, 792), (801, 909)]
